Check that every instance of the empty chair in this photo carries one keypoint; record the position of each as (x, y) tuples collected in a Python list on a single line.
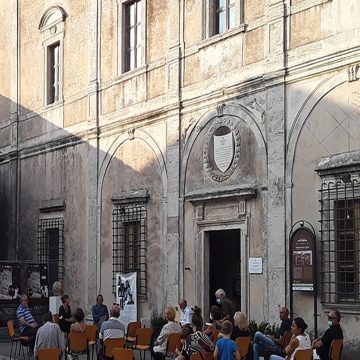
[(143, 340), (243, 344), (17, 339), (91, 333), (110, 344), (48, 354), (131, 331), (122, 354), (207, 355), (215, 336), (78, 344), (196, 356), (336, 349), (303, 354)]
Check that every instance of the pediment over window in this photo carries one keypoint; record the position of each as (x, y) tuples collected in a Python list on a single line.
[(54, 15)]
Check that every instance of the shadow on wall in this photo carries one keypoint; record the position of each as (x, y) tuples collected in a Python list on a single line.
[(50, 165)]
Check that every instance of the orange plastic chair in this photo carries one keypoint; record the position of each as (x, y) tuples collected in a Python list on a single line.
[(17, 339), (110, 344), (215, 336), (131, 331), (173, 342), (78, 344), (122, 354), (48, 354), (196, 356), (91, 333), (143, 340), (304, 354), (243, 343), (207, 355), (286, 339), (336, 349)]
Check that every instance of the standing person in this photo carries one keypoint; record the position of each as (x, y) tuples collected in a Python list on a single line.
[(272, 343), (226, 349), (79, 326), (112, 328), (49, 335), (226, 305), (241, 326), (334, 332), (100, 311), (65, 318), (299, 341), (186, 313), (27, 324)]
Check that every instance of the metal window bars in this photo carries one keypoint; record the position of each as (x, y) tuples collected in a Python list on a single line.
[(51, 249), (340, 241), (130, 243)]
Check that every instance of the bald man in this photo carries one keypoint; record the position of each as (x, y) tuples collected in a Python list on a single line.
[(268, 343)]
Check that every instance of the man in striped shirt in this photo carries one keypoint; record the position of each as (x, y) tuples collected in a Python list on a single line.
[(27, 324)]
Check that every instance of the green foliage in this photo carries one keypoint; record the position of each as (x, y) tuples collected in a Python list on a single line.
[(157, 321), (264, 327)]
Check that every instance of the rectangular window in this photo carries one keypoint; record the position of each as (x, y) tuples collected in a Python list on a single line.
[(51, 248), (132, 35), (224, 15), (340, 235), (130, 243), (53, 85)]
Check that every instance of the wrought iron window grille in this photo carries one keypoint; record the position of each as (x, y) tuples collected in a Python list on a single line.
[(340, 241), (130, 243), (51, 249)]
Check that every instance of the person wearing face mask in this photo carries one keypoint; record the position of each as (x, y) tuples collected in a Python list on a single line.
[(226, 305), (186, 313), (334, 332)]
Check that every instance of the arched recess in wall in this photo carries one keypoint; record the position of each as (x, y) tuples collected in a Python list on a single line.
[(312, 100), (231, 109), (138, 134), (51, 17)]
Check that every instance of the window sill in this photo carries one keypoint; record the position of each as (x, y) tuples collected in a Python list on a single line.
[(349, 308), (219, 37), (54, 105)]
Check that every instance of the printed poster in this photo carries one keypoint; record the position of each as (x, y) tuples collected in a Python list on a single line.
[(126, 297)]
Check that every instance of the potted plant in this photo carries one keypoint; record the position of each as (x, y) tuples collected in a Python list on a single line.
[(157, 322)]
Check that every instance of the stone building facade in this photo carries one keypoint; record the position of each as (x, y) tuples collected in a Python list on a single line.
[(182, 139)]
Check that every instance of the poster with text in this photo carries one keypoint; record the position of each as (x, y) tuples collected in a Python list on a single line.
[(126, 297)]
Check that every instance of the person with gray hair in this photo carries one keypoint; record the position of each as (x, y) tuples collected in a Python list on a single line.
[(227, 306), (49, 335)]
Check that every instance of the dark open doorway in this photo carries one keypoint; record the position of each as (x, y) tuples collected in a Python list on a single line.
[(224, 265)]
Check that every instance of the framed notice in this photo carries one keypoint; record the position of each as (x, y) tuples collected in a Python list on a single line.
[(255, 265)]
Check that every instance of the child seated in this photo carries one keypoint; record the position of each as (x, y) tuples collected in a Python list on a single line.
[(226, 349)]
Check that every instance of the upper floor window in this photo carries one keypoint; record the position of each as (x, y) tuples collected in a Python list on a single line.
[(340, 238), (131, 34), (52, 29), (224, 15), (221, 16)]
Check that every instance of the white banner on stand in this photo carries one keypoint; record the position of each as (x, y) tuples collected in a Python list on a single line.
[(126, 297)]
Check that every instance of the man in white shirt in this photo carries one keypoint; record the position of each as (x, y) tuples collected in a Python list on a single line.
[(186, 313), (49, 335)]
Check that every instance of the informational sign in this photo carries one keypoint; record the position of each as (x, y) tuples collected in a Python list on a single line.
[(255, 265), (37, 281), (223, 151), (126, 297), (9, 281), (302, 247)]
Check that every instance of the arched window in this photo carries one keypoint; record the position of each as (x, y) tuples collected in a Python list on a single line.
[(52, 25)]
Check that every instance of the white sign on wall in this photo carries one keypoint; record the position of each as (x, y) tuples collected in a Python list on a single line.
[(126, 297), (255, 265)]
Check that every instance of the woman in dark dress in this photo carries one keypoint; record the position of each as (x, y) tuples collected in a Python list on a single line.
[(65, 319)]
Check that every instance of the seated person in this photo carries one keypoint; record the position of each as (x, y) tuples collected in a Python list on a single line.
[(271, 344), (79, 326), (299, 341), (334, 332), (99, 311), (159, 350), (241, 326), (215, 317), (194, 342), (186, 313), (226, 349)]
